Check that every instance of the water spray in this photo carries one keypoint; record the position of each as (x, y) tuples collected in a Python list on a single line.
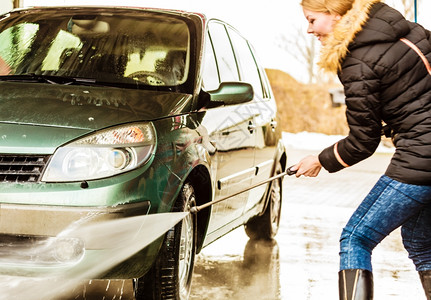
[(119, 238), (289, 172)]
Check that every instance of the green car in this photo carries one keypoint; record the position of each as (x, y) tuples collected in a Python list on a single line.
[(113, 113)]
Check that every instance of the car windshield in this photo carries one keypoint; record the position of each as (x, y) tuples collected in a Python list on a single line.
[(129, 48)]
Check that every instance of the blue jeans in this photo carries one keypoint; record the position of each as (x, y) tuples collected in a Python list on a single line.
[(389, 205)]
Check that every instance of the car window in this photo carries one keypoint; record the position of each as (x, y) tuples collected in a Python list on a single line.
[(247, 65), (210, 74), (146, 50), (266, 88), (265, 84), (223, 52)]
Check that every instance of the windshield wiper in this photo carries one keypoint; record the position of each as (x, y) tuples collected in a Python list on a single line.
[(64, 80)]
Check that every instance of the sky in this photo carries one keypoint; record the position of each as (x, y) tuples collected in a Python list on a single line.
[(263, 23)]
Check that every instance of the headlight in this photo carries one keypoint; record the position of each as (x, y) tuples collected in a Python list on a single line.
[(105, 153)]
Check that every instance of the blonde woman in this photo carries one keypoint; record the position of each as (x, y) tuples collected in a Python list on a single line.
[(382, 61)]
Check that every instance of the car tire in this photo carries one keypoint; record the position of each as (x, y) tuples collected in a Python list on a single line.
[(265, 227), (171, 275)]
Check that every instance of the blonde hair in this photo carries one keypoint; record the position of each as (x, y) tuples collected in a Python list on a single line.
[(340, 7)]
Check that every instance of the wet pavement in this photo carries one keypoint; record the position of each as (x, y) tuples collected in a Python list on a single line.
[(302, 263)]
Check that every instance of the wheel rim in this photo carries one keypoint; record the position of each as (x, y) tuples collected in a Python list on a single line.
[(186, 254), (275, 205)]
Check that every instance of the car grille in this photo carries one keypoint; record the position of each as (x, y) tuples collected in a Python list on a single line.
[(22, 168)]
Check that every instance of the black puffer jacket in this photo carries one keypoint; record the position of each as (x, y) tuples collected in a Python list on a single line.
[(384, 80)]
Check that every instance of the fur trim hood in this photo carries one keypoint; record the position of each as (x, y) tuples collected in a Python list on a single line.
[(336, 44)]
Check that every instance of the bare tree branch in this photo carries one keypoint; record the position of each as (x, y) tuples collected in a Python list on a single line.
[(302, 48)]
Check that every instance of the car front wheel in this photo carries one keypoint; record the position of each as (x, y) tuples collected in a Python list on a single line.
[(171, 275)]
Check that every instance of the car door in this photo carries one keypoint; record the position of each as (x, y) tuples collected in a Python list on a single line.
[(231, 131), (263, 109)]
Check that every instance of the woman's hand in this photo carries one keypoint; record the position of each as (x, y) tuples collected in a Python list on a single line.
[(308, 166)]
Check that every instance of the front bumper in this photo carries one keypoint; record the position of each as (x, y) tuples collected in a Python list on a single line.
[(42, 240), (44, 220)]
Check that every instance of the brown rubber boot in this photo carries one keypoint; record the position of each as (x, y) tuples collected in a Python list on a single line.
[(355, 284), (426, 282)]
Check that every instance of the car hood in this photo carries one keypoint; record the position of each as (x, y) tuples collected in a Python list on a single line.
[(55, 114), (84, 107)]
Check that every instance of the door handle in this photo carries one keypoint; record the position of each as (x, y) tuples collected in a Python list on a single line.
[(251, 127), (273, 124)]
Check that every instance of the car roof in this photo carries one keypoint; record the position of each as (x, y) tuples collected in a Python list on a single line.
[(152, 9)]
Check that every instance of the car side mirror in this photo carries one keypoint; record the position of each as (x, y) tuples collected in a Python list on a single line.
[(230, 93)]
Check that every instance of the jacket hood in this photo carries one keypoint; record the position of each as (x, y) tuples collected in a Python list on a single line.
[(349, 31)]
